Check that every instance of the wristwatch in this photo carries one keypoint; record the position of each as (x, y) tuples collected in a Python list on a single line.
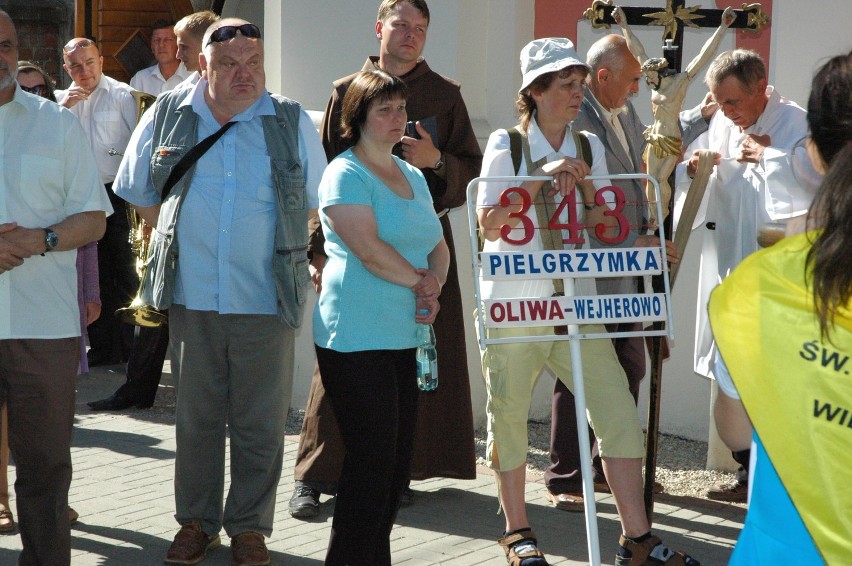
[(439, 164), (51, 239)]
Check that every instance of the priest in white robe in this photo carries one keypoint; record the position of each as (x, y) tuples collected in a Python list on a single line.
[(762, 178)]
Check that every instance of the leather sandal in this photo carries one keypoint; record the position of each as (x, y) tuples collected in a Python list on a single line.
[(521, 548), (651, 552), (7, 521)]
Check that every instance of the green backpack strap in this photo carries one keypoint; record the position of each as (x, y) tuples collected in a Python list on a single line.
[(515, 147), (584, 148)]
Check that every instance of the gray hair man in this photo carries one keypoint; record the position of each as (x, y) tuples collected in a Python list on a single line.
[(607, 112), (51, 203), (762, 178)]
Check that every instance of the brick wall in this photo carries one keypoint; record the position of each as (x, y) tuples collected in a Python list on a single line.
[(43, 28)]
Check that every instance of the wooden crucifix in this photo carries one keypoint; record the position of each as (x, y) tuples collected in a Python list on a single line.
[(674, 18), (668, 84)]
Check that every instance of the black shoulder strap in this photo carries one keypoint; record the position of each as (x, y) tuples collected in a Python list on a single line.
[(515, 147), (190, 157)]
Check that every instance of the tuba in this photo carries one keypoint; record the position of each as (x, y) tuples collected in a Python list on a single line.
[(137, 312)]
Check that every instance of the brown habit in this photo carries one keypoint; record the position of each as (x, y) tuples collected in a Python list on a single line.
[(444, 440)]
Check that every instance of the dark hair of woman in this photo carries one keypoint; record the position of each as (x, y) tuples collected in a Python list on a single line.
[(830, 121), (367, 87), (30, 67), (525, 103)]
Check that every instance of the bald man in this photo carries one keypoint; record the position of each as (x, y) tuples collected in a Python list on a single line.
[(107, 111), (607, 112)]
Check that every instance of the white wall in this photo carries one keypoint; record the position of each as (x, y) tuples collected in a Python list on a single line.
[(477, 42)]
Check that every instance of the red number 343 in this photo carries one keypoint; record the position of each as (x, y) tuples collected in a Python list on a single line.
[(573, 226)]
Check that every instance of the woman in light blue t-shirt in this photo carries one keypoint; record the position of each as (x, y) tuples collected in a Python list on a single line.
[(387, 261)]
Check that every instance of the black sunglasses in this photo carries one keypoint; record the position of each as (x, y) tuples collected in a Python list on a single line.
[(225, 33), (38, 90)]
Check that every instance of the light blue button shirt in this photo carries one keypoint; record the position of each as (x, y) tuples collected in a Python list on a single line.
[(226, 226)]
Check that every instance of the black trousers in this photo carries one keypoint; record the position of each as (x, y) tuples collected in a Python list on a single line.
[(742, 458), (374, 396), (109, 338), (145, 365)]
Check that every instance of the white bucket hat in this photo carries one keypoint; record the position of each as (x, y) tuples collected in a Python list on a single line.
[(547, 55)]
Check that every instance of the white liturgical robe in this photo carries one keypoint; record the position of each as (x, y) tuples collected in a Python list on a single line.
[(742, 197)]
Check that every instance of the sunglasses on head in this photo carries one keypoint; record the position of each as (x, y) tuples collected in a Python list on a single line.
[(38, 90), (225, 33), (72, 45)]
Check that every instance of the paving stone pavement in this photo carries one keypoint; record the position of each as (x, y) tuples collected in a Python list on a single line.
[(122, 488)]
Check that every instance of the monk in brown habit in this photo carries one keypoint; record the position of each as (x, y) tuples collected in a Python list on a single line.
[(444, 147)]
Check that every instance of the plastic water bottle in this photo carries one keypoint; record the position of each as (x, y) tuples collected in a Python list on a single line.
[(427, 358)]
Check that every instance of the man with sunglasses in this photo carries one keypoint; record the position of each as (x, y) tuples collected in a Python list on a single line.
[(51, 202), (107, 111), (236, 289)]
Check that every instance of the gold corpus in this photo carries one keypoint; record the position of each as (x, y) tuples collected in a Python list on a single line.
[(757, 18), (669, 18), (137, 312), (595, 14)]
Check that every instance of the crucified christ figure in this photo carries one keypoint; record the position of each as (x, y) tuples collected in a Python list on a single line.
[(668, 91)]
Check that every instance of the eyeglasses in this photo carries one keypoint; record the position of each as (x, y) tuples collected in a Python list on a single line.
[(38, 90), (72, 45), (225, 33)]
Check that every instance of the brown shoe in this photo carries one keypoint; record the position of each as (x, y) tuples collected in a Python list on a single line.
[(730, 492), (191, 545), (72, 516), (566, 501), (248, 549)]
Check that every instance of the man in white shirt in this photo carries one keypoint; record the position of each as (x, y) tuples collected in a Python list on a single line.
[(189, 31), (762, 177), (169, 71), (51, 202), (107, 111)]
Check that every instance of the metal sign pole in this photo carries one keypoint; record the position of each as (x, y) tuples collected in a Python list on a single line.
[(574, 335)]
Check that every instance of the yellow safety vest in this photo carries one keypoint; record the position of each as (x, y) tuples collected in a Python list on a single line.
[(796, 389)]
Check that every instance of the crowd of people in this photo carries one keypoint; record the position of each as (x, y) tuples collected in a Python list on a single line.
[(245, 206)]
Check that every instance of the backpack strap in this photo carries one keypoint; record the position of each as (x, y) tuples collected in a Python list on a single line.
[(584, 148), (515, 147)]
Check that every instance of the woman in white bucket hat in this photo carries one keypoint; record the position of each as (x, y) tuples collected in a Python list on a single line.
[(550, 96)]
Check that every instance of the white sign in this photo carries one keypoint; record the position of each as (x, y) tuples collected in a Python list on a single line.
[(560, 311), (549, 264)]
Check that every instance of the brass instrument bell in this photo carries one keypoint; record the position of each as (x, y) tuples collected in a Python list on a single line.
[(137, 312)]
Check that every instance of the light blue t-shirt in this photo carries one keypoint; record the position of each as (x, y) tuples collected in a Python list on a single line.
[(356, 309)]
